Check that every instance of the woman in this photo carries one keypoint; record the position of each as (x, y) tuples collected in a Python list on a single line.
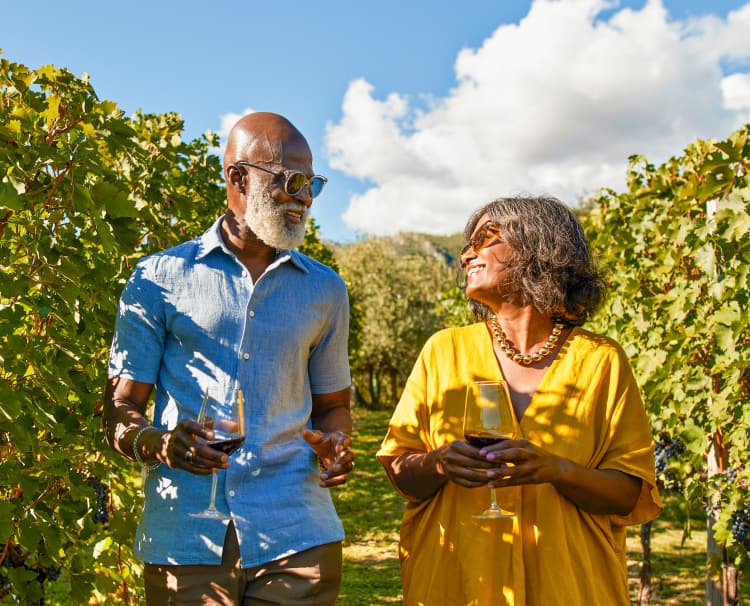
[(583, 466)]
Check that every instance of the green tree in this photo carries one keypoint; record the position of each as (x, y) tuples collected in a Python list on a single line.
[(397, 285), (454, 308), (313, 247), (677, 248)]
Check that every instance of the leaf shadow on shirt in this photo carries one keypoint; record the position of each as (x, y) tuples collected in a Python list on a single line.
[(170, 325)]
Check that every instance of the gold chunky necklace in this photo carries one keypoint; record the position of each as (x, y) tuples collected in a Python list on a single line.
[(516, 355)]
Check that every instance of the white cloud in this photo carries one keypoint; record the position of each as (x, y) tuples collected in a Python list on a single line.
[(553, 104), (227, 121), (736, 90)]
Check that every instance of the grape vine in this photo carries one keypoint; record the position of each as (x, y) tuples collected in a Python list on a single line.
[(676, 247), (741, 527), (667, 451), (84, 192)]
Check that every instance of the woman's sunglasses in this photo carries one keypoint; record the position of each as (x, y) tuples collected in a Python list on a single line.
[(294, 180), (487, 234)]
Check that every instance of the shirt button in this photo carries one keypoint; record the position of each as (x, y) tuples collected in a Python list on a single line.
[(251, 314), (231, 493), (246, 356)]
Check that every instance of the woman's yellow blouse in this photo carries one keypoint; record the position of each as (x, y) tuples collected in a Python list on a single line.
[(588, 409)]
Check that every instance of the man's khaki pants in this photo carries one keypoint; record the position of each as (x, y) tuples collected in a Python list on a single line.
[(311, 577)]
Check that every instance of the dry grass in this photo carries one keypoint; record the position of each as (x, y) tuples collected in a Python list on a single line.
[(678, 567)]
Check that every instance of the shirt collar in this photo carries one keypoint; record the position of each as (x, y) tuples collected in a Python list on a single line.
[(211, 239)]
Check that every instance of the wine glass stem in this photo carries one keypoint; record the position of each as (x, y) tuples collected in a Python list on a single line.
[(493, 499), (214, 484)]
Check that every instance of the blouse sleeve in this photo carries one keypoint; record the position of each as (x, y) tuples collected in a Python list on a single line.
[(630, 445), (409, 426)]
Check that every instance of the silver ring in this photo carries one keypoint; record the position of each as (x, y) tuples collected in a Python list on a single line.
[(189, 456)]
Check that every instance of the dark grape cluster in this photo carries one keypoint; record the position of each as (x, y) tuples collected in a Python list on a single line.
[(667, 448), (17, 557), (741, 526), (5, 586), (101, 512), (51, 574)]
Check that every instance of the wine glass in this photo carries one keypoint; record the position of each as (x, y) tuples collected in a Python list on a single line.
[(488, 419), (222, 411)]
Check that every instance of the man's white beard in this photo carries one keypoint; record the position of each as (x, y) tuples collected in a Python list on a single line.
[(265, 218)]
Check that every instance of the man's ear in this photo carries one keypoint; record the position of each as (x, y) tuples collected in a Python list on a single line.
[(236, 177)]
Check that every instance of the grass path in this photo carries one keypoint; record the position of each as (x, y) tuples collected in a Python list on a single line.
[(679, 567), (371, 512)]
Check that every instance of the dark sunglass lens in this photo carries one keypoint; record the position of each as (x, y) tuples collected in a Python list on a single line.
[(316, 185), (479, 240), (295, 182)]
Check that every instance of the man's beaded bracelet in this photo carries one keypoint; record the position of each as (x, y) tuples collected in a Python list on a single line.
[(136, 454)]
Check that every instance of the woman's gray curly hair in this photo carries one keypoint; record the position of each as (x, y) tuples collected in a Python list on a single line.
[(551, 266)]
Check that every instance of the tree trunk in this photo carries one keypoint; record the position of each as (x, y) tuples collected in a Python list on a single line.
[(729, 582), (395, 387), (374, 398), (714, 592), (644, 584), (725, 591)]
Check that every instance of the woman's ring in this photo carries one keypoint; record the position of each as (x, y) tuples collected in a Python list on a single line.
[(189, 456)]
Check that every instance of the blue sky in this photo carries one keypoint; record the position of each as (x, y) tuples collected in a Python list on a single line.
[(419, 112)]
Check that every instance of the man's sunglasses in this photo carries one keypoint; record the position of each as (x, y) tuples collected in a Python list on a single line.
[(294, 180), (487, 234)]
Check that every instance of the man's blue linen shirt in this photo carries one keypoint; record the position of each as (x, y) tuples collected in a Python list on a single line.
[(191, 316)]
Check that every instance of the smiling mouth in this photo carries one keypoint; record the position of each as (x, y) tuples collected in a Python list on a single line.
[(294, 216), (474, 269)]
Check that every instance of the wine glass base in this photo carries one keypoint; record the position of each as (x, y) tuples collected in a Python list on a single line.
[(209, 514), (495, 514)]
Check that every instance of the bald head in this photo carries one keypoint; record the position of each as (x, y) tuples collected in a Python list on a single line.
[(267, 138)]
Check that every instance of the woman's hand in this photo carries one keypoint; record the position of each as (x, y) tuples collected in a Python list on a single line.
[(598, 491), (519, 462), (465, 465), (419, 475)]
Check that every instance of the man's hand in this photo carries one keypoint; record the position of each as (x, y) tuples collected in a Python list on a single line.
[(333, 450), (186, 447)]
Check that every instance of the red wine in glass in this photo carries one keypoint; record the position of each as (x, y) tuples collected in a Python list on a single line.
[(488, 419), (227, 445), (223, 412), (480, 439)]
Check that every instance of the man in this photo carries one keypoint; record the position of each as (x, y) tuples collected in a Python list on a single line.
[(238, 305)]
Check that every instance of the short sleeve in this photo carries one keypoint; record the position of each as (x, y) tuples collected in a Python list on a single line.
[(329, 360), (139, 335)]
